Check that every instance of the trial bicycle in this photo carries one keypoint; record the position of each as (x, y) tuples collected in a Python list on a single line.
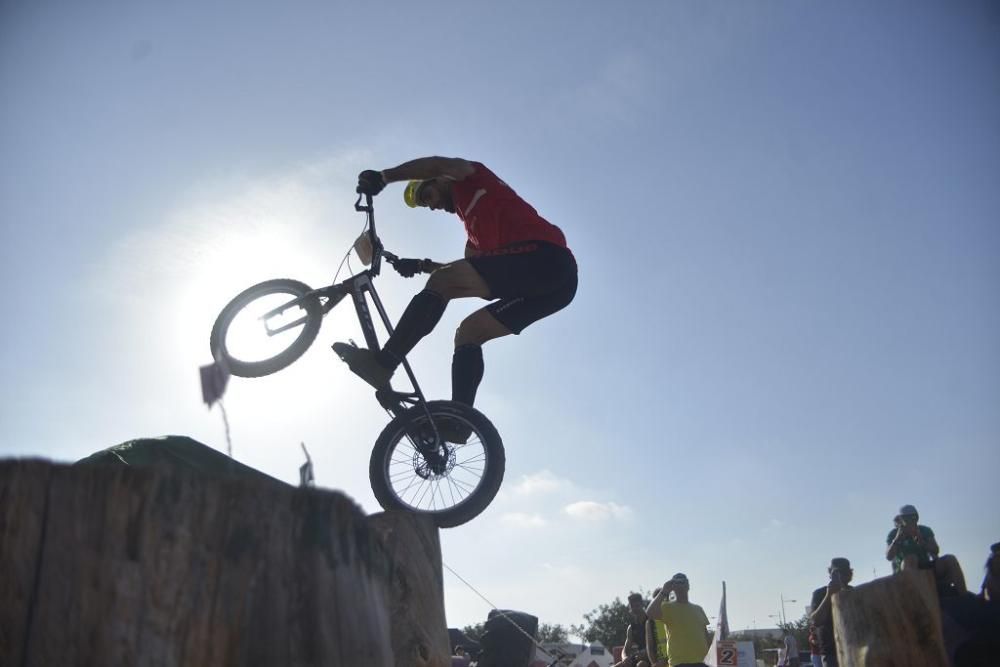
[(270, 325)]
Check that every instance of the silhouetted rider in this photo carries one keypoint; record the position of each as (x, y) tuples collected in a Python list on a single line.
[(513, 257)]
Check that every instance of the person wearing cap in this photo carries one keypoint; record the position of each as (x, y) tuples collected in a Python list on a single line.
[(513, 257), (912, 546), (822, 601), (634, 651), (686, 623)]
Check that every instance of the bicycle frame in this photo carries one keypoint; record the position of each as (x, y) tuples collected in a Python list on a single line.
[(360, 286)]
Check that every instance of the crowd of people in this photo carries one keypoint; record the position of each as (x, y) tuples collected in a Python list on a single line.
[(671, 631), (909, 546), (674, 631)]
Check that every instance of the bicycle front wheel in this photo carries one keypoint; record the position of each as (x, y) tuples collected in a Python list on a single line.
[(266, 327), (453, 483)]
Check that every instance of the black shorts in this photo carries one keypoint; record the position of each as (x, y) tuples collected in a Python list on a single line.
[(529, 280)]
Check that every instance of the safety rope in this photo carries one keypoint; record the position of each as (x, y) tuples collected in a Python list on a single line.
[(499, 611)]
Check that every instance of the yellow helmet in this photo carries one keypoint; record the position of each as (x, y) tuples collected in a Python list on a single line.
[(411, 193)]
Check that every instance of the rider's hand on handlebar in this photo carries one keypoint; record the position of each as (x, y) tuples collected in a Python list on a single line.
[(411, 267), (370, 182)]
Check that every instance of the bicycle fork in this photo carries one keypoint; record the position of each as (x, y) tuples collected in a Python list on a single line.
[(394, 402)]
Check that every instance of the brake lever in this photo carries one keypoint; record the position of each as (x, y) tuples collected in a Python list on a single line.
[(368, 201)]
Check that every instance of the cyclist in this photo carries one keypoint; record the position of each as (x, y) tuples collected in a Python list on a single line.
[(513, 257)]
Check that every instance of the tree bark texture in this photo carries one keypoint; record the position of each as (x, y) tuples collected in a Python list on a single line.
[(890, 622), (419, 628), (110, 566)]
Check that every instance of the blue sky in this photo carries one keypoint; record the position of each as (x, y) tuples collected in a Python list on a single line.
[(786, 216)]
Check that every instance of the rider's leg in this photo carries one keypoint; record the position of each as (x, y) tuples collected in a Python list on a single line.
[(452, 281), (467, 364), (529, 287)]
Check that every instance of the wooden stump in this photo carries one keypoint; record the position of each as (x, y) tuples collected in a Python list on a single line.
[(419, 628), (890, 622), (128, 566)]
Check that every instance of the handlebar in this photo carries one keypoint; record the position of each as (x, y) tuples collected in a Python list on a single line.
[(378, 250)]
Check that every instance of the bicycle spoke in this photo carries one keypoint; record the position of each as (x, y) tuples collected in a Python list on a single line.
[(427, 483), (424, 494)]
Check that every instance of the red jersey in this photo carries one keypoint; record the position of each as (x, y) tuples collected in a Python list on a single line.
[(495, 216)]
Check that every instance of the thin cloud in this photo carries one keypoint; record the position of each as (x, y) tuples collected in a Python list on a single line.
[(540, 483), (589, 510), (524, 520)]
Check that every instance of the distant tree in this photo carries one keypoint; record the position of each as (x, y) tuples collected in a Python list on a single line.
[(607, 623), (800, 629), (547, 633), (552, 634), (474, 632)]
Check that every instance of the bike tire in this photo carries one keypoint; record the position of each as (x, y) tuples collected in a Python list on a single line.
[(387, 463), (306, 335)]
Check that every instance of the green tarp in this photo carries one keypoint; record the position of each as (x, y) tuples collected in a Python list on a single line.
[(173, 450)]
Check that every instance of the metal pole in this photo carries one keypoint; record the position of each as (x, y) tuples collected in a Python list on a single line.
[(783, 601)]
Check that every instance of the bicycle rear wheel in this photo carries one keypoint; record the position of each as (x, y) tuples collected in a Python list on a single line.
[(253, 346), (453, 483)]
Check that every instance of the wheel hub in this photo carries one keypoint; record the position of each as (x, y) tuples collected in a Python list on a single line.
[(435, 464)]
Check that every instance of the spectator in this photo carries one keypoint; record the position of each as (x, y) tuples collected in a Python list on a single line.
[(656, 639), (990, 590), (822, 600), (634, 651), (791, 647), (913, 546), (814, 654), (685, 623), (461, 657)]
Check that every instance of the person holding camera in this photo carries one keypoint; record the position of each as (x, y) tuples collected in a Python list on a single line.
[(686, 624), (822, 605), (912, 546)]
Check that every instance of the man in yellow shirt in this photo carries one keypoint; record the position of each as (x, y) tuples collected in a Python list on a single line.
[(685, 623)]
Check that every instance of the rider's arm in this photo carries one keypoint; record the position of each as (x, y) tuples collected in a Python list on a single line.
[(454, 168)]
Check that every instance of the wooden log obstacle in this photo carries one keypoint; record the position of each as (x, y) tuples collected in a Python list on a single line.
[(890, 622), (103, 565)]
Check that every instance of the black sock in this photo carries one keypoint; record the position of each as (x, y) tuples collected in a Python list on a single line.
[(418, 320), (466, 373)]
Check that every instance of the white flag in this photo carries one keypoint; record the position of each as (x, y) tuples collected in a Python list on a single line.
[(721, 634)]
